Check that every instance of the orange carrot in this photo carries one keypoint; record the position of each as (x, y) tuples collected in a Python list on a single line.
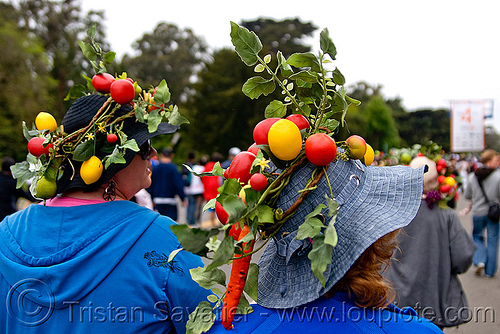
[(236, 283)]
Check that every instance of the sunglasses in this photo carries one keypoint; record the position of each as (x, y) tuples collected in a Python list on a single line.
[(146, 150)]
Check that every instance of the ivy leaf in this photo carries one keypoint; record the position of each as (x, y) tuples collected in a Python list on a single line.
[(201, 320), (331, 236), (246, 44), (114, 158), (75, 92), (326, 43), (26, 132), (305, 76), (338, 77), (84, 151), (312, 225), (243, 306), (224, 254), (21, 172), (88, 50), (154, 119), (304, 60), (193, 239), (234, 207), (131, 145), (275, 109), (176, 118), (252, 282), (256, 86), (208, 279), (264, 213), (321, 257), (162, 93), (285, 69), (140, 111), (109, 57)]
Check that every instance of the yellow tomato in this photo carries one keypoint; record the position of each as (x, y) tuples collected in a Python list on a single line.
[(285, 140), (91, 170), (45, 121), (449, 181), (369, 155)]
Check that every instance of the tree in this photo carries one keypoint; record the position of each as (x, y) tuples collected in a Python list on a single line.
[(168, 52), (381, 129), (25, 82), (60, 25)]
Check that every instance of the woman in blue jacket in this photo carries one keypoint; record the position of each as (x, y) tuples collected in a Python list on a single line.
[(89, 260)]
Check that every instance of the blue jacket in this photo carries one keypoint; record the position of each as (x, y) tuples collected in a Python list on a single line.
[(99, 268), (337, 315)]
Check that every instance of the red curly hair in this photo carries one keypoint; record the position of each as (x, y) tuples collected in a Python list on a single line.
[(364, 281)]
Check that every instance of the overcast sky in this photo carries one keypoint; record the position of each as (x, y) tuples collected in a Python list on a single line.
[(427, 52)]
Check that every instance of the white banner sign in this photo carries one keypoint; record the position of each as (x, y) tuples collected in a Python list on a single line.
[(467, 125)]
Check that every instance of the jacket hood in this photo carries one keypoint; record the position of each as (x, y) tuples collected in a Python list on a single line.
[(483, 172), (65, 252)]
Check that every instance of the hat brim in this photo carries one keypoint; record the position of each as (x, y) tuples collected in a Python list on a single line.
[(373, 201)]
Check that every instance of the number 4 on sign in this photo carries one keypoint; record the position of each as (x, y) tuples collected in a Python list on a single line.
[(466, 116)]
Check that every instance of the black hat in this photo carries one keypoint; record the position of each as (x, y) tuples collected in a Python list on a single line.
[(80, 115)]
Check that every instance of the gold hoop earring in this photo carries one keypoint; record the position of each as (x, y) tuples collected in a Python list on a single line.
[(110, 191)]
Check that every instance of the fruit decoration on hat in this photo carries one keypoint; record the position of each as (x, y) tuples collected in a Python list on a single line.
[(296, 130), (49, 145)]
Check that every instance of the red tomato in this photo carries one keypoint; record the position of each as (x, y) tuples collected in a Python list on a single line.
[(111, 138), (441, 162), (441, 178), (102, 82), (258, 182), (240, 167), (35, 147), (445, 188), (253, 149), (439, 168), (299, 120), (122, 91), (222, 215), (261, 130), (320, 149), (357, 146)]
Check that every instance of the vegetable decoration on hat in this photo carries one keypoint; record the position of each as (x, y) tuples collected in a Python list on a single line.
[(297, 130), (101, 143)]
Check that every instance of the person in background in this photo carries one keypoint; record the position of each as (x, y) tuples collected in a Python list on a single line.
[(89, 260), (374, 203), (211, 184), (233, 151), (488, 175), (433, 250), (166, 185), (9, 194), (194, 193)]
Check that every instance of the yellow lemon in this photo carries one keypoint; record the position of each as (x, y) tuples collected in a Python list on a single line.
[(285, 140), (449, 181), (45, 121), (45, 188), (91, 170), (369, 155)]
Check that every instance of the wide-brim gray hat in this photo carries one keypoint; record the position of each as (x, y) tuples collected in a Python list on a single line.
[(79, 115), (373, 201)]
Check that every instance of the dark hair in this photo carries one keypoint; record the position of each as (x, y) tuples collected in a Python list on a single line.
[(364, 280)]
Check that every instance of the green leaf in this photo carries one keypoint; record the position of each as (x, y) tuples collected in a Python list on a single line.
[(331, 236), (312, 225), (176, 118), (114, 158), (173, 254), (326, 43), (162, 93), (92, 31), (304, 60), (213, 298), (243, 306), (353, 101), (26, 132), (109, 57), (224, 254), (305, 76), (76, 92), (252, 282), (21, 172), (154, 119), (201, 320), (264, 213), (88, 51), (285, 69), (208, 279), (84, 151), (338, 78), (246, 44), (275, 109), (193, 239), (321, 257), (256, 86), (234, 207), (131, 145)]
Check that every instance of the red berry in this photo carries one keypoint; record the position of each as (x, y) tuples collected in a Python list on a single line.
[(258, 182), (35, 147), (111, 138)]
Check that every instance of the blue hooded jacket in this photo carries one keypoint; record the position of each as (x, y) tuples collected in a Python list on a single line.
[(99, 268)]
